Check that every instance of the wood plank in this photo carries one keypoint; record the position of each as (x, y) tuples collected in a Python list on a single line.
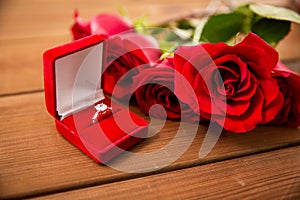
[(271, 175), (21, 63), (35, 159), (35, 18), (43, 18)]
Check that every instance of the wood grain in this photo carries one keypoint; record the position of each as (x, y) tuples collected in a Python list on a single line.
[(272, 175), (35, 159), (21, 63), (45, 18)]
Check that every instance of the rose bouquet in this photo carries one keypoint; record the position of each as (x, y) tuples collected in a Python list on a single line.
[(228, 73)]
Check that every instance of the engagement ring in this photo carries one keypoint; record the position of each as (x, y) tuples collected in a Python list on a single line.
[(102, 111)]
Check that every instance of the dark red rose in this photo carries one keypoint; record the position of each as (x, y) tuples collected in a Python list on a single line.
[(126, 55), (289, 85), (156, 87), (244, 92), (102, 24)]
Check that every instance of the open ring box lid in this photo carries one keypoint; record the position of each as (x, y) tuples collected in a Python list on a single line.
[(72, 81)]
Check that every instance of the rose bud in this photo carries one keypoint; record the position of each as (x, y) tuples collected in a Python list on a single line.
[(103, 24), (156, 87), (289, 85), (126, 55)]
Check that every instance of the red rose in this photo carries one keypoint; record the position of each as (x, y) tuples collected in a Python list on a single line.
[(245, 87), (289, 84), (102, 24), (126, 55), (157, 86)]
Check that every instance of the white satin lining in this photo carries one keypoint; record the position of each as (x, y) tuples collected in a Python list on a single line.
[(78, 80)]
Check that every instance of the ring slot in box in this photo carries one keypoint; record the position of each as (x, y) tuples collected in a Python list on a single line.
[(72, 81)]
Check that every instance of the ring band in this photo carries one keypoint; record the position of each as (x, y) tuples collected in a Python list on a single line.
[(102, 111)]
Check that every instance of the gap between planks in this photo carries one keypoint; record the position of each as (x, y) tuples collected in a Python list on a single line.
[(267, 175), (32, 151)]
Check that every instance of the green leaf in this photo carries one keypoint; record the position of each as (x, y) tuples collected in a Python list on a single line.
[(167, 46), (140, 25), (273, 12), (271, 30), (269, 22), (222, 27)]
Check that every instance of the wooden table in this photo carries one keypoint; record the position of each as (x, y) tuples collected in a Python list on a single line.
[(36, 161)]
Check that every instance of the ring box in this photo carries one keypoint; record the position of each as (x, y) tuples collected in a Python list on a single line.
[(72, 82)]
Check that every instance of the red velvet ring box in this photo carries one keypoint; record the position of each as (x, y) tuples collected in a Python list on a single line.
[(72, 73)]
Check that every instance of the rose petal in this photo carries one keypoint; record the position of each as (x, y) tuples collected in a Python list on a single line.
[(198, 59), (184, 92), (294, 83), (289, 81), (109, 24), (125, 52), (282, 69), (80, 28), (246, 122), (205, 106), (158, 90), (216, 50), (270, 94), (247, 89), (230, 63), (271, 110), (270, 55), (237, 108)]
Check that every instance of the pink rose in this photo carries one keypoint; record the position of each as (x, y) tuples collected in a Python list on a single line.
[(245, 86), (103, 24), (157, 85), (289, 85)]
